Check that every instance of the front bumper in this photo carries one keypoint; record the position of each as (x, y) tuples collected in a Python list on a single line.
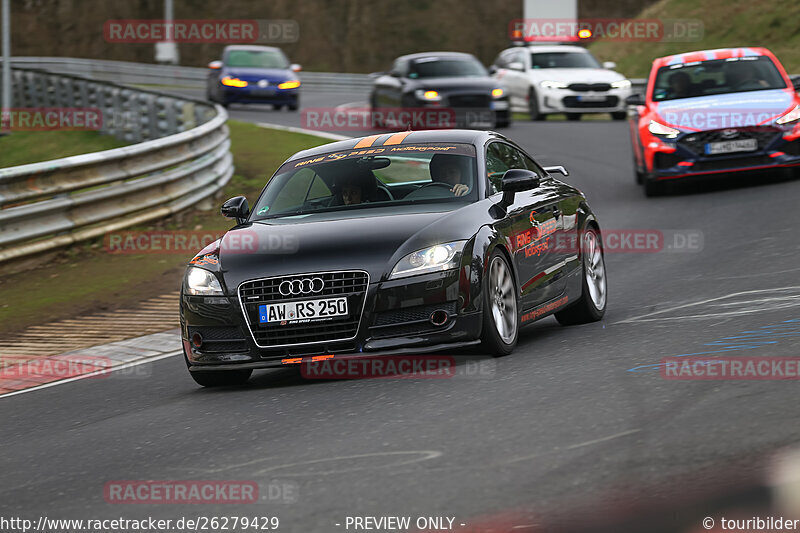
[(569, 101), (259, 95), (681, 159), (394, 321)]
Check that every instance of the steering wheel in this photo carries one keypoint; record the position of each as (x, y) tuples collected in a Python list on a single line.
[(429, 186)]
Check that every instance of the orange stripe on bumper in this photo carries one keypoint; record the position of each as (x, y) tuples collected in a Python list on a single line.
[(291, 360), (397, 138), (366, 142)]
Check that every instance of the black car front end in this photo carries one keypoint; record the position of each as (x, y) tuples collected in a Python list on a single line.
[(430, 311)]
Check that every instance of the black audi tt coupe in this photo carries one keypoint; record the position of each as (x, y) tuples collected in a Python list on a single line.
[(400, 243)]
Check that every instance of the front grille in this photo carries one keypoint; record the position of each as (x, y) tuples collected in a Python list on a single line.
[(573, 102), (349, 284), (736, 162), (469, 100), (219, 339), (409, 321), (584, 87), (696, 142)]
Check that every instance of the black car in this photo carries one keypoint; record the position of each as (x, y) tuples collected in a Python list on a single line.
[(449, 80), (390, 244), (249, 74)]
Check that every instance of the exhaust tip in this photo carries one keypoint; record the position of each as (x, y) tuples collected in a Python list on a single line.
[(439, 317)]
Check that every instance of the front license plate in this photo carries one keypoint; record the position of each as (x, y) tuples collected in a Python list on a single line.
[(268, 91), (303, 311), (591, 98), (727, 147)]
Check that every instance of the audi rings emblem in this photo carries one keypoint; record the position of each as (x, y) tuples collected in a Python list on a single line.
[(297, 287)]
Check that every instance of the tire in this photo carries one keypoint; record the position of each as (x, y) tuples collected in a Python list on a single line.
[(533, 106), (501, 307), (573, 116), (594, 286), (294, 106), (619, 115), (221, 378)]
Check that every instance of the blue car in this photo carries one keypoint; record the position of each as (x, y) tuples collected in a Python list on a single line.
[(254, 75)]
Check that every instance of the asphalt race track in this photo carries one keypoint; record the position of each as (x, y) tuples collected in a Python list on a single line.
[(576, 417)]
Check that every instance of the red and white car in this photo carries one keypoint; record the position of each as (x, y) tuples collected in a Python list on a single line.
[(711, 112)]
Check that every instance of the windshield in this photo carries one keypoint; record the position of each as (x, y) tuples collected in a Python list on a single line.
[(563, 60), (256, 59), (434, 67), (377, 177), (718, 76)]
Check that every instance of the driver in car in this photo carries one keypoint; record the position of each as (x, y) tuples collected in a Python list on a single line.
[(744, 76), (448, 169)]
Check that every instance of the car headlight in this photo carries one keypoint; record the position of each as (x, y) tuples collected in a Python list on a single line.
[(657, 128), (791, 116), (498, 92), (434, 259), (548, 84), (201, 282), (430, 96), (291, 84), (233, 82), (621, 84)]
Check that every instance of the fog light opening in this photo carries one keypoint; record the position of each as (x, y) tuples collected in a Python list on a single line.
[(197, 340), (439, 317)]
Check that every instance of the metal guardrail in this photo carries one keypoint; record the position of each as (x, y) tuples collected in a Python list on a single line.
[(182, 156), (192, 77)]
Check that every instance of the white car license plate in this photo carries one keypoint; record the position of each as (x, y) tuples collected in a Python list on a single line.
[(305, 310), (592, 98), (727, 147)]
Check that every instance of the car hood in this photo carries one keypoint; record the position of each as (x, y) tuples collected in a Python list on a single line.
[(729, 110), (454, 83), (319, 243), (247, 74), (576, 75)]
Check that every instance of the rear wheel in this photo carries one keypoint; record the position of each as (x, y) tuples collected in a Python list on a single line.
[(221, 378), (592, 304), (500, 309)]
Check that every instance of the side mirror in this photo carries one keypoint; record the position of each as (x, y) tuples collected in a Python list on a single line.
[(516, 65), (294, 67), (557, 168), (610, 65), (215, 65), (517, 180), (394, 73), (493, 69), (236, 208), (795, 82), (635, 99)]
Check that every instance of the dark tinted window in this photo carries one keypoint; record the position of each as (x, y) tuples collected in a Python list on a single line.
[(563, 60), (256, 59), (717, 76), (435, 67)]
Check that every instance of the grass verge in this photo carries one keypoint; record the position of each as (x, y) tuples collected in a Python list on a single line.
[(86, 278), (23, 147)]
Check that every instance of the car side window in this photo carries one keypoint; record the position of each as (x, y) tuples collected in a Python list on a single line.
[(499, 158)]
